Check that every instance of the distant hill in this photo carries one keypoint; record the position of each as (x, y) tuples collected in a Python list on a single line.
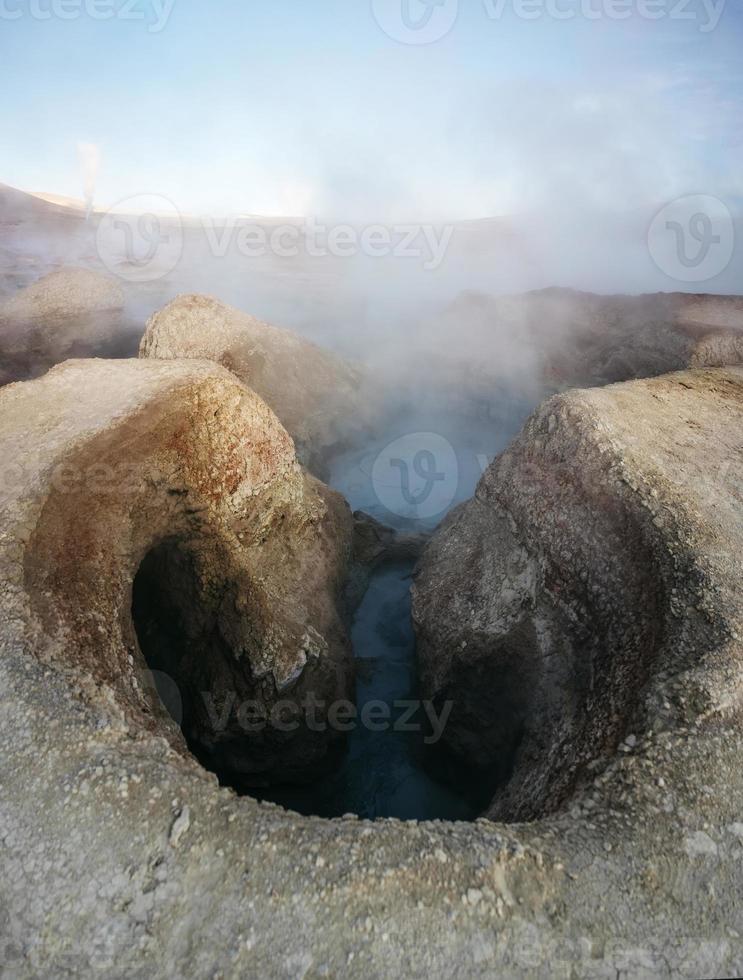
[(64, 202)]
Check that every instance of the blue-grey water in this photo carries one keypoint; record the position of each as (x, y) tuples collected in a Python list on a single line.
[(409, 479)]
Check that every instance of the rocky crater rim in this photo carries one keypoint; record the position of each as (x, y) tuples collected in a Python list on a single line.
[(213, 500), (591, 587), (179, 477), (141, 837)]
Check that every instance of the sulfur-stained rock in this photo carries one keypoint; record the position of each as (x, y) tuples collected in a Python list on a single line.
[(314, 393), (159, 507)]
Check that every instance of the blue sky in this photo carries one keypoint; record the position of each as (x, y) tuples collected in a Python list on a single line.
[(300, 107)]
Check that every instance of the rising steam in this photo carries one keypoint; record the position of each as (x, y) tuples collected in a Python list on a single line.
[(89, 155)]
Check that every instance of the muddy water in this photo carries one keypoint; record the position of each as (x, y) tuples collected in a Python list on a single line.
[(409, 480)]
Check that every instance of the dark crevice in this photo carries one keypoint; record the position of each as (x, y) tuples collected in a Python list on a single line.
[(217, 702), (372, 773)]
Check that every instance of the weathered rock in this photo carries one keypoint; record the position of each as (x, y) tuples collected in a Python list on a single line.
[(69, 292), (179, 475), (375, 542), (593, 578), (121, 857), (314, 393), (71, 312)]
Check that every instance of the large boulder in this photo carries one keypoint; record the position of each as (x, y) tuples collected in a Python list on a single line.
[(314, 393), (70, 312), (68, 292), (165, 515), (120, 855), (591, 589)]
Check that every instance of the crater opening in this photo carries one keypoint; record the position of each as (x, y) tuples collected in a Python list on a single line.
[(391, 759), (181, 644), (392, 763), (182, 625), (392, 766)]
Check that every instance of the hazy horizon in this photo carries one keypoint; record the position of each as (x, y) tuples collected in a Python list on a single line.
[(283, 110)]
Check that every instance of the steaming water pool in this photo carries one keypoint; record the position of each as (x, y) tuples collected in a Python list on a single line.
[(409, 480), (382, 773)]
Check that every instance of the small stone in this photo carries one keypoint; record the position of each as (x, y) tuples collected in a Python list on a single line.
[(700, 844), (180, 826), (473, 895)]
